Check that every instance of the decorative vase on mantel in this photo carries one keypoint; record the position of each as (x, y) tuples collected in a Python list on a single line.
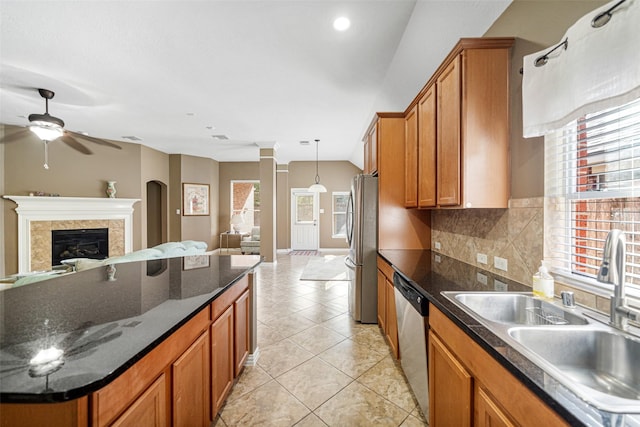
[(111, 189)]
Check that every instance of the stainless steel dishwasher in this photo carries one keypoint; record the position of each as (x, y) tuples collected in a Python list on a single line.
[(412, 311)]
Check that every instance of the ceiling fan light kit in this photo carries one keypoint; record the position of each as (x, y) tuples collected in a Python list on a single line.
[(46, 131), (49, 128)]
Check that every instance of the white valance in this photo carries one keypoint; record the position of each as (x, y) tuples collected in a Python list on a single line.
[(598, 69)]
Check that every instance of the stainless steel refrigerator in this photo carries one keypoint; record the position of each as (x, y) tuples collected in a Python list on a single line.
[(362, 235)]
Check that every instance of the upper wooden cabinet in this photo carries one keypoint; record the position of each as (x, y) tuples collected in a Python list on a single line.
[(371, 149), (411, 158), (462, 139), (427, 149)]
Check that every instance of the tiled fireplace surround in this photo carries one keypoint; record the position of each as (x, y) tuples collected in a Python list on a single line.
[(38, 216), (516, 234)]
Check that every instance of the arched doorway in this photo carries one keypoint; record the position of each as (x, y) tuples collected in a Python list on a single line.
[(156, 213)]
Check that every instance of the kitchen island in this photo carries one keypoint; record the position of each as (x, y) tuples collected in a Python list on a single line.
[(88, 346), (431, 273)]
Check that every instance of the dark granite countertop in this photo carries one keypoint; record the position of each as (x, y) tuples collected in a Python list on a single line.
[(431, 273), (103, 320)]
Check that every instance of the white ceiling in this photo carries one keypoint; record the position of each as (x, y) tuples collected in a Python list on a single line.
[(261, 72)]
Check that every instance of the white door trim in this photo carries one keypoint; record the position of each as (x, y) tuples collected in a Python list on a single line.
[(305, 236)]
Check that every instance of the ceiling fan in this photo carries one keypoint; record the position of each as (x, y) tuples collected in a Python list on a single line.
[(49, 128)]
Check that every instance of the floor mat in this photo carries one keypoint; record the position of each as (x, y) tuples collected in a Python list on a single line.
[(305, 253), (329, 267)]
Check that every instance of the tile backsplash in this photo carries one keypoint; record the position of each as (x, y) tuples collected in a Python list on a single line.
[(515, 234)]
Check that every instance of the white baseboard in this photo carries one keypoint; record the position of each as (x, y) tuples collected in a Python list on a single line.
[(252, 358)]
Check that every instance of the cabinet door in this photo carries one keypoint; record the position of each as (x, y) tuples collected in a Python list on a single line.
[(392, 322), (373, 149), (221, 359), (241, 310), (450, 387), (367, 155), (191, 385), (411, 158), (487, 412), (382, 297), (427, 149), (448, 135), (149, 410)]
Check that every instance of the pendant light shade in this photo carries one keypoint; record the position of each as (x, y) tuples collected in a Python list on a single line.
[(317, 187)]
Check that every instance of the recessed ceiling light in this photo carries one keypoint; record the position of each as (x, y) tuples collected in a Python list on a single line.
[(342, 23), (220, 137)]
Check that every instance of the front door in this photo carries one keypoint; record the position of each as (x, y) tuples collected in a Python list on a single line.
[(304, 219)]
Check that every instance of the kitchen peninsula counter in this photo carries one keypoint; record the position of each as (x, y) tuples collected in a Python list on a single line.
[(431, 273), (95, 324)]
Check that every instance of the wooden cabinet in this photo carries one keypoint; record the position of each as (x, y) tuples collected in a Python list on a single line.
[(371, 150), (387, 319), (467, 386), (221, 359), (241, 310), (229, 341), (487, 411), (398, 227), (427, 148), (190, 378), (451, 387), (462, 139), (149, 410), (382, 298), (448, 135), (411, 158)]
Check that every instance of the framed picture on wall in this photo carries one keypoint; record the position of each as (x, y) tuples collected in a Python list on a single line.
[(195, 199)]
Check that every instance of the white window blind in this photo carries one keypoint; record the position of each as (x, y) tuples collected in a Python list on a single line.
[(592, 185)]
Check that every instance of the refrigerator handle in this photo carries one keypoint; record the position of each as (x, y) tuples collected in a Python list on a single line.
[(350, 265), (350, 219)]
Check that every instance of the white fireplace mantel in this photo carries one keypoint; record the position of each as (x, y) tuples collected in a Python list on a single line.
[(36, 208)]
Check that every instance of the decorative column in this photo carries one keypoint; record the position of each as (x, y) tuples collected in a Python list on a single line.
[(268, 202)]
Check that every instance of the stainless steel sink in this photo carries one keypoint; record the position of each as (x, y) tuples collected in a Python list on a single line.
[(589, 357), (600, 365), (514, 308)]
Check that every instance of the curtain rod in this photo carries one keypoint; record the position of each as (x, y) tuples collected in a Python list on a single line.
[(598, 21)]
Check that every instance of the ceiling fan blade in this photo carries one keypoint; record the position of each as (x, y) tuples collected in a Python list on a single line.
[(15, 135), (71, 142), (94, 140)]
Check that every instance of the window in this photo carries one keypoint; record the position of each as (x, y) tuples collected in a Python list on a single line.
[(339, 202), (592, 185), (245, 205)]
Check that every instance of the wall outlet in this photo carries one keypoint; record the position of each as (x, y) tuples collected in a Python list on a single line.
[(481, 258), (500, 263), (500, 286), (437, 245), (482, 278)]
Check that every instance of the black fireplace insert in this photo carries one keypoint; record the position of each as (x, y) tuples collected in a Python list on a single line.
[(82, 243)]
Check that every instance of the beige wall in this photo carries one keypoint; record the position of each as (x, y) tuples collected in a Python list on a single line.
[(71, 174), (536, 25), (283, 209), (515, 233), (336, 176), (199, 170)]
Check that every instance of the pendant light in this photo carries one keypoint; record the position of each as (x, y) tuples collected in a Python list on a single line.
[(317, 187)]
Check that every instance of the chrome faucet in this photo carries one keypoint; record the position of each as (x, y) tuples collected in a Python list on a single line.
[(612, 271)]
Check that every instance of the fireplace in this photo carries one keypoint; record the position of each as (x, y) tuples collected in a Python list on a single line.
[(80, 243), (39, 216)]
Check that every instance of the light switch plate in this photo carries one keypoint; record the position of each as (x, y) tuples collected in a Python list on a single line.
[(482, 278), (437, 245), (500, 263)]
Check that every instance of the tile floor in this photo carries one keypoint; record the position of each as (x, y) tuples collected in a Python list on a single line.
[(317, 367)]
